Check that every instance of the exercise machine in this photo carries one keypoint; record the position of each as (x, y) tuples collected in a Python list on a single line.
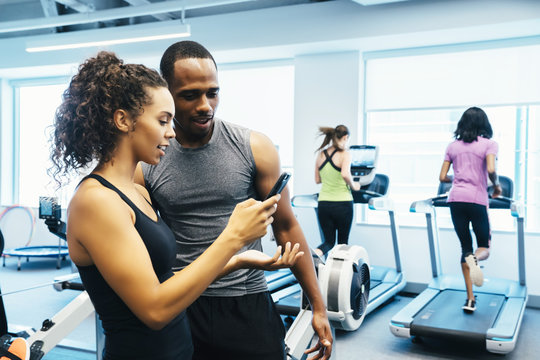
[(49, 209), (55, 329), (436, 312), (344, 283), (385, 282)]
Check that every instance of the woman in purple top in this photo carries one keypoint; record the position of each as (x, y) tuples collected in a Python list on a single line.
[(472, 156)]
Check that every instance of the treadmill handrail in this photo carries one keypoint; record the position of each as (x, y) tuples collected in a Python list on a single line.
[(383, 203), (368, 192)]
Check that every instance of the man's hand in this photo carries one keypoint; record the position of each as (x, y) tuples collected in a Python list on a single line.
[(324, 345)]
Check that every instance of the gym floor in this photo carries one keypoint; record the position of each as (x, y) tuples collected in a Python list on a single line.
[(373, 340)]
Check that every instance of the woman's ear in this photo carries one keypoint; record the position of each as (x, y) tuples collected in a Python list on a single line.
[(122, 120)]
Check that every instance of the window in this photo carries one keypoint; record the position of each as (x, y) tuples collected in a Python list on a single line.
[(260, 98), (412, 107), (36, 108)]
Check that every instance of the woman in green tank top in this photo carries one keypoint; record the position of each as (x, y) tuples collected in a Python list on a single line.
[(333, 171)]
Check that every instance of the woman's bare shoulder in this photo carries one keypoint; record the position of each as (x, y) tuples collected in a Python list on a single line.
[(93, 199)]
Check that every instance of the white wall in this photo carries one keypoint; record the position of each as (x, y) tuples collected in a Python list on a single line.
[(326, 93)]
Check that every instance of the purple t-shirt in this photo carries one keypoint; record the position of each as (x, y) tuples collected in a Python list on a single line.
[(470, 172)]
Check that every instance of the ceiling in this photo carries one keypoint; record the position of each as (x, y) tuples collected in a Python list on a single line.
[(35, 17)]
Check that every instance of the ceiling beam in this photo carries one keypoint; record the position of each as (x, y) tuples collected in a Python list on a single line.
[(111, 14), (49, 8), (77, 5), (375, 2), (162, 17)]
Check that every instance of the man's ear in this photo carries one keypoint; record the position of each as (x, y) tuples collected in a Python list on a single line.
[(122, 121)]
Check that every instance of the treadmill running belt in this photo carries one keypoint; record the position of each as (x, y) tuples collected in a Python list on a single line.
[(443, 316)]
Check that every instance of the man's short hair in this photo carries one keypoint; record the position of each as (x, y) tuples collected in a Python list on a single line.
[(182, 50)]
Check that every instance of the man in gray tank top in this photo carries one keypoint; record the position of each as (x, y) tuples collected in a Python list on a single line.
[(210, 167)]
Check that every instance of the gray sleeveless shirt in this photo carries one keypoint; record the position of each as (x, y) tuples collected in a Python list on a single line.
[(196, 190)]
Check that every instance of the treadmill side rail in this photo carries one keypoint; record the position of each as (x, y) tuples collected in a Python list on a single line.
[(501, 338), (401, 322)]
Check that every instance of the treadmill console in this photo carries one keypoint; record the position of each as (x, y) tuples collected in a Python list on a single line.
[(363, 162)]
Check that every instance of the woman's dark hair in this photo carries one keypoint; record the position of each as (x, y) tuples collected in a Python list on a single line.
[(473, 123), (84, 130), (332, 135), (179, 51)]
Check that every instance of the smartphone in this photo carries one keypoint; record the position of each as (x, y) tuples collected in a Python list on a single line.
[(49, 208), (279, 185)]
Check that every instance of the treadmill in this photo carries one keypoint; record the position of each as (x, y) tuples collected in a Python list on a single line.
[(436, 312), (385, 282)]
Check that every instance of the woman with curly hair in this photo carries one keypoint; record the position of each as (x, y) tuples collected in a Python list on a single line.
[(472, 156), (114, 115)]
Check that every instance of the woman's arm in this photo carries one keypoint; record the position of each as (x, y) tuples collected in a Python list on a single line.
[(443, 176), (492, 174), (346, 171), (101, 227), (318, 163)]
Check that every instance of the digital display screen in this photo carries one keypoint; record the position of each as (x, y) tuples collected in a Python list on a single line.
[(46, 208), (49, 208), (363, 156)]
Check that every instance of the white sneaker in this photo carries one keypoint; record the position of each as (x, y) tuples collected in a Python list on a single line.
[(477, 276), (470, 306)]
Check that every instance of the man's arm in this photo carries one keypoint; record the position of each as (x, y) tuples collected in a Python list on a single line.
[(287, 229)]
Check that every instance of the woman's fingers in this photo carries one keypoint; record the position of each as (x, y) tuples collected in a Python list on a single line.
[(290, 255), (276, 256)]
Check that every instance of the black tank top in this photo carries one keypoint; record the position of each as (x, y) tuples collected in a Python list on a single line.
[(126, 337)]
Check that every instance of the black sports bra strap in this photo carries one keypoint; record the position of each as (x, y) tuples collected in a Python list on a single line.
[(108, 185), (329, 159)]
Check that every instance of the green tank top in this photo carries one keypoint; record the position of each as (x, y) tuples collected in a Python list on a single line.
[(334, 188)]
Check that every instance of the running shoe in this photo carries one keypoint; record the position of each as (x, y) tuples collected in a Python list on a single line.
[(470, 306), (475, 272)]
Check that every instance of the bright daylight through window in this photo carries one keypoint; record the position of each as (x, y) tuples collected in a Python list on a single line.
[(413, 104)]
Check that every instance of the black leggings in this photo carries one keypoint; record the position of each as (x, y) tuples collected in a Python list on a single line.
[(462, 215), (334, 216)]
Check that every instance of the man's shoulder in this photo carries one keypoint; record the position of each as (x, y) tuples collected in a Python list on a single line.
[(237, 133), (232, 126)]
